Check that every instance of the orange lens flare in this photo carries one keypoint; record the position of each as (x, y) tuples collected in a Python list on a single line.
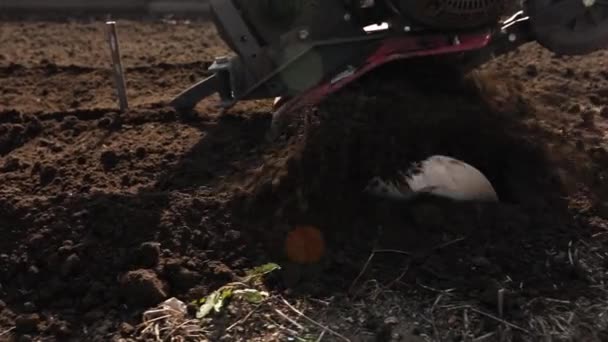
[(305, 245)]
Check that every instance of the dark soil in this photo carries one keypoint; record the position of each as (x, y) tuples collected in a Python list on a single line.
[(104, 215)]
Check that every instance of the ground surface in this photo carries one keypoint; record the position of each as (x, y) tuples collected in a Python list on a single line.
[(103, 215)]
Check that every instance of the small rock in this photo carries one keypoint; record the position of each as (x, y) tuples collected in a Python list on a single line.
[(595, 100), (602, 210), (588, 118), (109, 159), (104, 122), (143, 288), (27, 323), (126, 329), (532, 70), (10, 165), (115, 120), (70, 265), (34, 127), (33, 271), (60, 328), (36, 167), (560, 258), (575, 109), (93, 316), (180, 277), (26, 338), (64, 250), (17, 130), (47, 174), (140, 152), (69, 122), (192, 309), (148, 254), (125, 180), (29, 307), (391, 320), (35, 240), (569, 72), (232, 235), (481, 262)]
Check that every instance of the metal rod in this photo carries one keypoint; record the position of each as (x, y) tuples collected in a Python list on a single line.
[(119, 78)]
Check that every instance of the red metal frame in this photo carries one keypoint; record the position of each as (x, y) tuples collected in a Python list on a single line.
[(391, 49)]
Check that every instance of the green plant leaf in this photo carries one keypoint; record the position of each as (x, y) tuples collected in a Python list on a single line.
[(224, 294), (208, 305), (252, 295), (262, 270)]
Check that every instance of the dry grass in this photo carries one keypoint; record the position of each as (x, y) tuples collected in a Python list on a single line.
[(417, 311)]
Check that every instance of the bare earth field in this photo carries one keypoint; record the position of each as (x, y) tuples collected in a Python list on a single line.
[(105, 215)]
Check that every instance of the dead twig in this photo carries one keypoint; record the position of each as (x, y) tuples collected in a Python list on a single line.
[(396, 251), (500, 302), (321, 335), (449, 243), (290, 320), (435, 329), (514, 326), (148, 324), (282, 327), (7, 331), (365, 266), (484, 336), (396, 280), (337, 334), (189, 323), (465, 320), (445, 292), (320, 301), (242, 320)]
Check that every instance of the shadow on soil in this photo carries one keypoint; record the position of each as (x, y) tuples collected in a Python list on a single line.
[(517, 245)]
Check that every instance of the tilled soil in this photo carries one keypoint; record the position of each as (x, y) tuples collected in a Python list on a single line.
[(104, 215)]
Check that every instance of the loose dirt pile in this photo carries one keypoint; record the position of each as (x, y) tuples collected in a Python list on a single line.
[(104, 215)]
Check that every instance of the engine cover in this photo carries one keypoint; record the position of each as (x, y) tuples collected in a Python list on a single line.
[(271, 19), (454, 14)]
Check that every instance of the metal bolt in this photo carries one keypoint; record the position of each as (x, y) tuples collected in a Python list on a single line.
[(303, 34), (512, 37), (347, 17), (456, 40), (407, 29)]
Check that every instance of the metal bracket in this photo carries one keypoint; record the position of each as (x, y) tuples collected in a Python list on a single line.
[(246, 45)]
